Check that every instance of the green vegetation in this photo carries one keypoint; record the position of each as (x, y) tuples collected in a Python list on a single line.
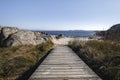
[(102, 56), (14, 61)]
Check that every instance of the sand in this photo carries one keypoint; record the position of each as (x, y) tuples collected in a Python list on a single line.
[(65, 40)]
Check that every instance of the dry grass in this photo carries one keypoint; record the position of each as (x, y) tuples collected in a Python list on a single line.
[(101, 56), (16, 60)]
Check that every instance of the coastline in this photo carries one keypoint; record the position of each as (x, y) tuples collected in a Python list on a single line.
[(65, 40)]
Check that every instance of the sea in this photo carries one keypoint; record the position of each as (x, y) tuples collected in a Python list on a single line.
[(70, 33)]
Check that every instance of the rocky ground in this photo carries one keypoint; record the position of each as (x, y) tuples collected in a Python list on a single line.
[(11, 36)]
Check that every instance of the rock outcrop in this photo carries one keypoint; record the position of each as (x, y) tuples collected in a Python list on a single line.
[(21, 38), (60, 36), (113, 33), (11, 36), (39, 37)]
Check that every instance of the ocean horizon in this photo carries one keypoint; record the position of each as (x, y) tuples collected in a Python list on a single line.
[(68, 33)]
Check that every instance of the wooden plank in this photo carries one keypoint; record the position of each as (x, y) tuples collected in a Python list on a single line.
[(63, 64)]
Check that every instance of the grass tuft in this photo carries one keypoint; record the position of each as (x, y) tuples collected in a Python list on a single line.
[(102, 56), (14, 61)]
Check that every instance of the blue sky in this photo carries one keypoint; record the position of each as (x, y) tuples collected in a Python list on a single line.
[(60, 14)]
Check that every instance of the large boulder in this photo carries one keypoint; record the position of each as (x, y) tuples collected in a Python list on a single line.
[(21, 38), (38, 35), (10, 36), (7, 31), (113, 33), (39, 39)]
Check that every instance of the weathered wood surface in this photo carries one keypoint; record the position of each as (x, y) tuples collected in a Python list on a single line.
[(63, 64)]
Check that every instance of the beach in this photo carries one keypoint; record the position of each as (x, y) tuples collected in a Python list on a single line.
[(65, 40)]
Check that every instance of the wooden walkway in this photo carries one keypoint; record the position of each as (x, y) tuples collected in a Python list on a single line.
[(63, 64)]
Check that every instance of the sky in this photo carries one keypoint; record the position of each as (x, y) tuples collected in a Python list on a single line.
[(60, 14)]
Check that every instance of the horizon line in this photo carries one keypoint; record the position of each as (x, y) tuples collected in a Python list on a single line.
[(55, 29)]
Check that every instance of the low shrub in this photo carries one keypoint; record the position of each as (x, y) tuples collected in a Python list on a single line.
[(102, 56), (14, 61)]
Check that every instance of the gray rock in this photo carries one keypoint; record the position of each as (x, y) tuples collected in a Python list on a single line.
[(40, 41), (113, 33), (38, 35), (60, 36), (11, 36), (21, 38), (7, 31)]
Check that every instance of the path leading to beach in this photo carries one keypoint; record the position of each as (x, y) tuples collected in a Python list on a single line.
[(65, 40), (63, 64)]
